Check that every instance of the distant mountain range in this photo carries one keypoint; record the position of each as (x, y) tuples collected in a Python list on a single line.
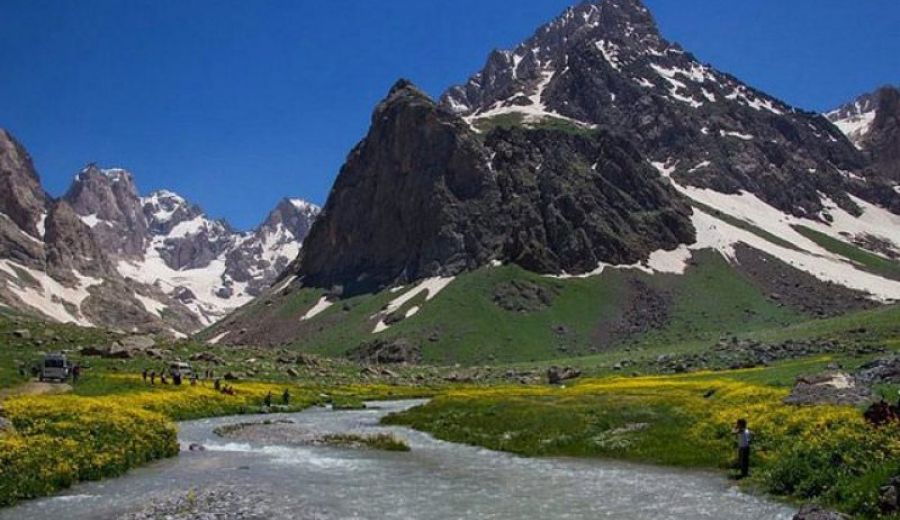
[(596, 149), (104, 255)]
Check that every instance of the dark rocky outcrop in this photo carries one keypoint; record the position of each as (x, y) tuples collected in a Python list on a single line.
[(547, 200), (885, 370), (387, 352), (524, 296), (558, 375)]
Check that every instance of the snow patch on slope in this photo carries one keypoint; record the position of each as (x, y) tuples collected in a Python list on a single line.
[(431, 287), (50, 297)]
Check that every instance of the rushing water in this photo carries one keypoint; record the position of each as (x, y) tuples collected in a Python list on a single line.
[(436, 480)]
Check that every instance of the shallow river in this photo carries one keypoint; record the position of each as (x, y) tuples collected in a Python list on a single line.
[(436, 480)]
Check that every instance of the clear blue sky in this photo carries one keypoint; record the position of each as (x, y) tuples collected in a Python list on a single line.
[(236, 104)]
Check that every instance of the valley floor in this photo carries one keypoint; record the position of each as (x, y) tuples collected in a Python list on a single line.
[(113, 421)]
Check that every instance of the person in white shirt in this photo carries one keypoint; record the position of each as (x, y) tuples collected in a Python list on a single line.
[(744, 439)]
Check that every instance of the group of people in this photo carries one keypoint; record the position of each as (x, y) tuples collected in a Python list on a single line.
[(285, 398), (176, 376)]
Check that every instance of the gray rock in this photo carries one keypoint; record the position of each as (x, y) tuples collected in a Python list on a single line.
[(828, 388), (884, 370), (814, 512), (138, 342), (889, 497), (22, 333)]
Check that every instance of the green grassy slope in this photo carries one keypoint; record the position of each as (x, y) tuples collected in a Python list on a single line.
[(464, 324)]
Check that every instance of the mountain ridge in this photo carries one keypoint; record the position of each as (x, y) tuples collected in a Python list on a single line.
[(178, 269)]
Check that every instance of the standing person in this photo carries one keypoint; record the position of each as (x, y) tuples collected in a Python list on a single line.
[(286, 397), (153, 377), (268, 400), (217, 384), (744, 439), (76, 372), (144, 374)]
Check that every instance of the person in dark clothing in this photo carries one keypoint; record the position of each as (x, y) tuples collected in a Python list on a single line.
[(153, 377), (76, 372), (217, 384), (267, 401), (744, 440), (286, 397), (176, 378), (144, 375)]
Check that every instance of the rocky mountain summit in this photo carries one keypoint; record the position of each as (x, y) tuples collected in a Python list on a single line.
[(104, 255), (549, 201)]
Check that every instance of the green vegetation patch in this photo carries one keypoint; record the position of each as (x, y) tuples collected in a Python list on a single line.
[(870, 262)]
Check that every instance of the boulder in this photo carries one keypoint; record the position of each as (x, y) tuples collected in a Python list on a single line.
[(22, 333), (6, 426), (387, 352), (207, 357), (94, 351), (889, 497), (233, 376), (137, 342), (556, 375), (813, 512), (832, 387), (884, 370), (293, 372)]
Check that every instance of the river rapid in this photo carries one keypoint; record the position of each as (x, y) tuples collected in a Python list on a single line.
[(435, 480)]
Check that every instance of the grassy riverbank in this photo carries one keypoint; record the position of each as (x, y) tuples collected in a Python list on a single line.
[(822, 453), (120, 423)]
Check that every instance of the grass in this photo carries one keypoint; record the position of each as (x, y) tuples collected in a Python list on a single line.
[(870, 262), (824, 453), (464, 324), (517, 120), (379, 441)]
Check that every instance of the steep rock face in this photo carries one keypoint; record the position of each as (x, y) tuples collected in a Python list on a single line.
[(605, 64), (22, 199), (549, 200), (108, 203), (71, 247)]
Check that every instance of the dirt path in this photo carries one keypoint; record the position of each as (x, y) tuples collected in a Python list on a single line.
[(36, 388)]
